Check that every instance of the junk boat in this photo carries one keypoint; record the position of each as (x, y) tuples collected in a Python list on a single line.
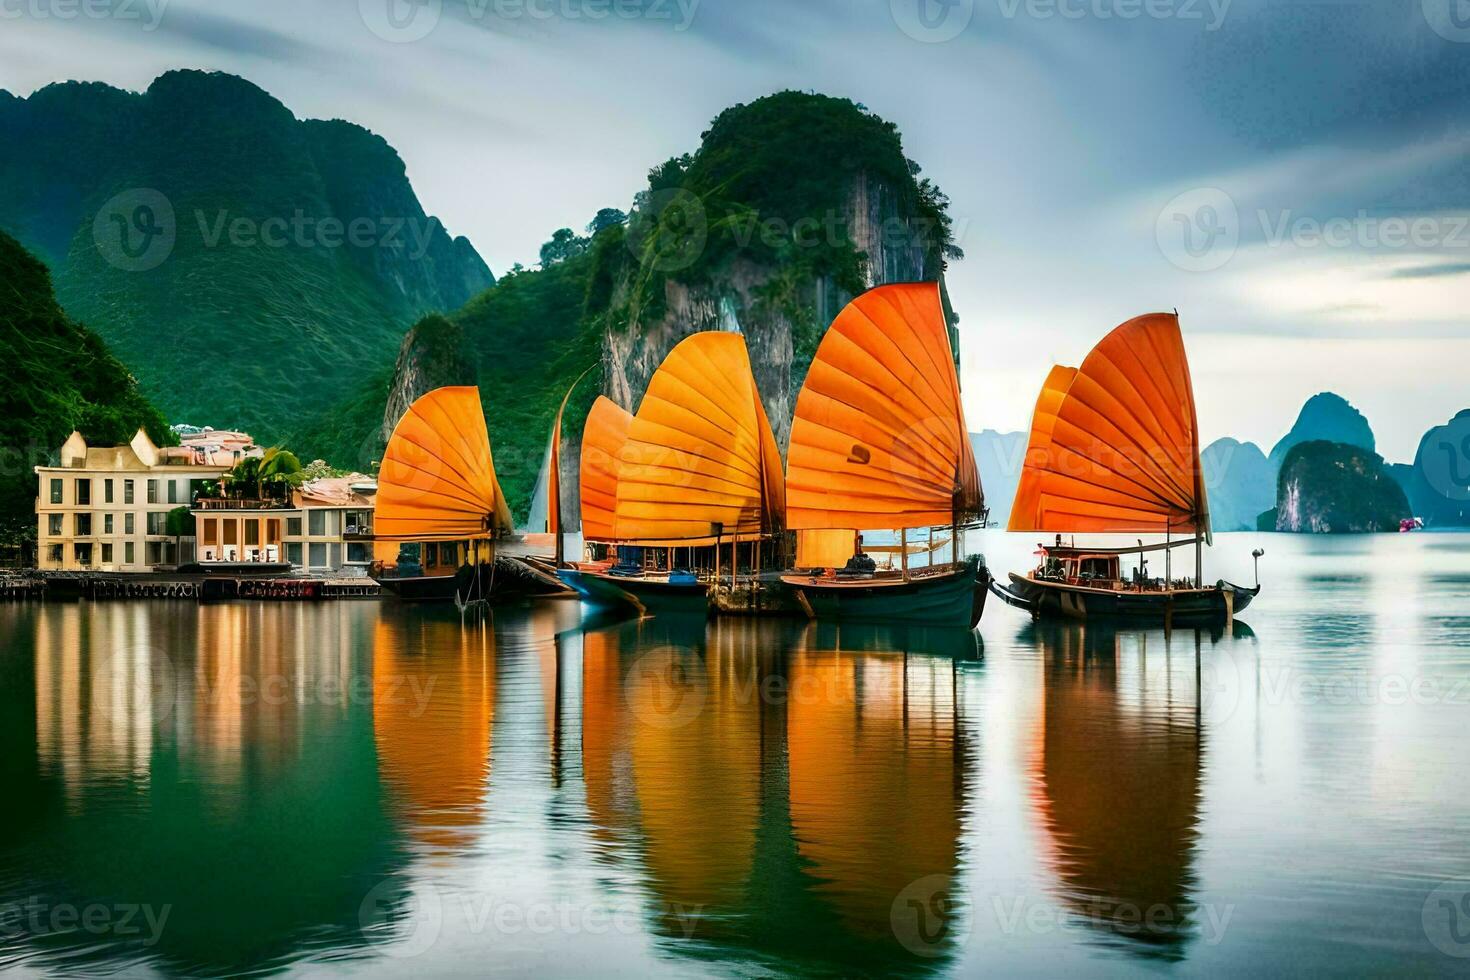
[(439, 510), (1115, 448), (879, 442), (665, 491)]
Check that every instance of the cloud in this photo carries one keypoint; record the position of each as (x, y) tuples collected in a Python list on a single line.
[(1432, 271), (230, 36)]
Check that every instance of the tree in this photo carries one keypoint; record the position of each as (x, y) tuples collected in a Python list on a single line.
[(180, 524), (564, 244), (276, 468), (606, 218)]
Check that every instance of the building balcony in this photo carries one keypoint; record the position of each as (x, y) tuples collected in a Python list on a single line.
[(227, 503), (358, 532)]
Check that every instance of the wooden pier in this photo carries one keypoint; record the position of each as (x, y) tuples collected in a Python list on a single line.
[(197, 588)]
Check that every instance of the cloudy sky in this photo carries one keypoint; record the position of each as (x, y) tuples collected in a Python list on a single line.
[(1292, 175)]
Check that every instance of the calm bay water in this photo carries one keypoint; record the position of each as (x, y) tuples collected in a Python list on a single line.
[(368, 787)]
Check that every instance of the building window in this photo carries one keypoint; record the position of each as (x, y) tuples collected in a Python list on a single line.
[(57, 554), (83, 525), (127, 491), (334, 550), (106, 523), (56, 491), (293, 553), (129, 525), (293, 527), (107, 554), (232, 532), (358, 554), (153, 491), (211, 531), (447, 554), (107, 491), (155, 552), (252, 532), (316, 523), (53, 525), (128, 553), (318, 554), (83, 553), (84, 493), (273, 531), (173, 491), (155, 522)]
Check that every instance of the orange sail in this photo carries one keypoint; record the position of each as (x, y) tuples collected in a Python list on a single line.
[(879, 439), (700, 463), (1115, 443), (602, 443), (437, 481)]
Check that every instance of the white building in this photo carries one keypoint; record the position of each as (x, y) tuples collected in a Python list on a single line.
[(106, 508)]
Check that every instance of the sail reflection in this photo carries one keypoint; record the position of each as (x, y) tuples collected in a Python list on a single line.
[(875, 754), (782, 788), (1116, 763), (433, 713)]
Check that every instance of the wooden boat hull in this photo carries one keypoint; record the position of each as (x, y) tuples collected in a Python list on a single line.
[(648, 597), (504, 581), (954, 599), (1061, 600)]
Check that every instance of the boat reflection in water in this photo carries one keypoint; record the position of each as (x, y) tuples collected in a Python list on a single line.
[(433, 714), (782, 787), (1116, 762)]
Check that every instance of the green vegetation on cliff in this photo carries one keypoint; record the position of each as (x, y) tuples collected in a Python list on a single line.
[(61, 377), (772, 186), (248, 266), (530, 338), (1334, 488)]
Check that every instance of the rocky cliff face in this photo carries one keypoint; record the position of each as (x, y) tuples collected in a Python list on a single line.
[(1240, 482), (1325, 417), (432, 356), (791, 206), (1438, 481), (1332, 488), (1000, 457)]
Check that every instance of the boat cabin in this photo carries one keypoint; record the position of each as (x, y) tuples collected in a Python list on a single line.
[(1079, 566)]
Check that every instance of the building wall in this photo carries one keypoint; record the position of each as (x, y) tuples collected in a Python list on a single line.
[(312, 538), (85, 530)]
